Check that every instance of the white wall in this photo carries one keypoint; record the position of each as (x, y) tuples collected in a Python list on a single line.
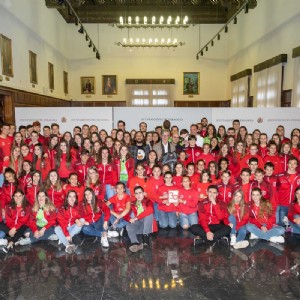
[(267, 31), (31, 26)]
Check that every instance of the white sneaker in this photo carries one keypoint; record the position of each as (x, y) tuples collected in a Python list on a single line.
[(253, 236), (53, 237), (104, 242), (3, 242), (232, 239), (112, 233), (277, 239), (286, 221), (241, 244), (25, 241), (70, 248)]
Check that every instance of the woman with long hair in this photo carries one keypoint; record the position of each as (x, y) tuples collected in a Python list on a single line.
[(262, 220), (25, 176), (93, 182), (63, 161), (152, 160), (16, 219), (69, 221), (40, 162), (35, 185), (294, 212), (41, 221), (15, 160), (238, 219), (54, 188), (96, 215)]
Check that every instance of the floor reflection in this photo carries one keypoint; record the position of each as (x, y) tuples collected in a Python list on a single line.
[(172, 269)]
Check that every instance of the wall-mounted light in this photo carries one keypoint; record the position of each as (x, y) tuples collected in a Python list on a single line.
[(150, 43)]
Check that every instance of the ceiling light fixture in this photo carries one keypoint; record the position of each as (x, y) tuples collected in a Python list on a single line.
[(160, 22), (150, 43)]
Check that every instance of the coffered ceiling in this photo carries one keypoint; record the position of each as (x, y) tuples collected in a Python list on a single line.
[(109, 11)]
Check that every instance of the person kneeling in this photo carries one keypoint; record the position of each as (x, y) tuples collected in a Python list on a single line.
[(141, 222), (212, 218)]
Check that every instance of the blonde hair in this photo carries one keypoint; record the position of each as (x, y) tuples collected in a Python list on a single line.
[(48, 207), (231, 207)]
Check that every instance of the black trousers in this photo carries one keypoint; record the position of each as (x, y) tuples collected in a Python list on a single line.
[(19, 233), (219, 231)]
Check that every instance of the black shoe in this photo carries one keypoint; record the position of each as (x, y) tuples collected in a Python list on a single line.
[(6, 249), (224, 241), (146, 240), (198, 241)]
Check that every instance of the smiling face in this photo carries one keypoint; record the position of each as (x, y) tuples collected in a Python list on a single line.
[(41, 197), (18, 198), (72, 197)]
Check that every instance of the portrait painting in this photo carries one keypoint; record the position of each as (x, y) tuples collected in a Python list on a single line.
[(51, 76), (109, 85), (32, 67), (191, 83), (6, 56), (66, 82), (87, 85)]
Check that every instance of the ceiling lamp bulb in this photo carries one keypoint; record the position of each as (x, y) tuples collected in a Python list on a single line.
[(121, 21), (137, 40), (137, 20), (129, 20), (131, 40), (185, 20), (161, 20), (153, 20), (168, 41), (177, 20), (169, 20), (150, 41), (162, 40), (156, 41), (175, 41), (124, 41), (145, 20)]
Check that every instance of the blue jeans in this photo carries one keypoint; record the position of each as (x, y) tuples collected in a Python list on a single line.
[(1, 179), (274, 231), (45, 237), (94, 229), (2, 234), (155, 207), (187, 220), (281, 212), (295, 227), (73, 230), (122, 223), (241, 233), (109, 191), (166, 219)]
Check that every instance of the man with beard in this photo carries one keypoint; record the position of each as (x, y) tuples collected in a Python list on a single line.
[(139, 150)]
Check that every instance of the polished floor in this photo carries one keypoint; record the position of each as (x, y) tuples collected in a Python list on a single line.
[(172, 269)]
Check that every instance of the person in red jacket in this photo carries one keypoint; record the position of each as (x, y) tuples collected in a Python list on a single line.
[(262, 219), (139, 180), (253, 152), (39, 162), (188, 202), (81, 166), (141, 221), (212, 219), (193, 151), (294, 213), (245, 184), (96, 215), (286, 186), (272, 156), (75, 185), (54, 188), (225, 188), (179, 171), (238, 219), (33, 187), (41, 221), (69, 221), (94, 183), (206, 155), (25, 176), (107, 172), (16, 217)]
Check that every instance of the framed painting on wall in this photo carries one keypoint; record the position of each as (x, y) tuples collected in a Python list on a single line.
[(6, 56), (109, 85), (191, 83), (51, 76), (87, 85), (66, 82), (32, 67)]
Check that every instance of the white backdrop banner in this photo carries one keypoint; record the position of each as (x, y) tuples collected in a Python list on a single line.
[(264, 119), (66, 117), (182, 117)]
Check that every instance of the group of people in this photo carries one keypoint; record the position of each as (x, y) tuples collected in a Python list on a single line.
[(220, 184)]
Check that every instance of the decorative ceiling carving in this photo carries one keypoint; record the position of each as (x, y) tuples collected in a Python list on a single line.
[(109, 11)]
